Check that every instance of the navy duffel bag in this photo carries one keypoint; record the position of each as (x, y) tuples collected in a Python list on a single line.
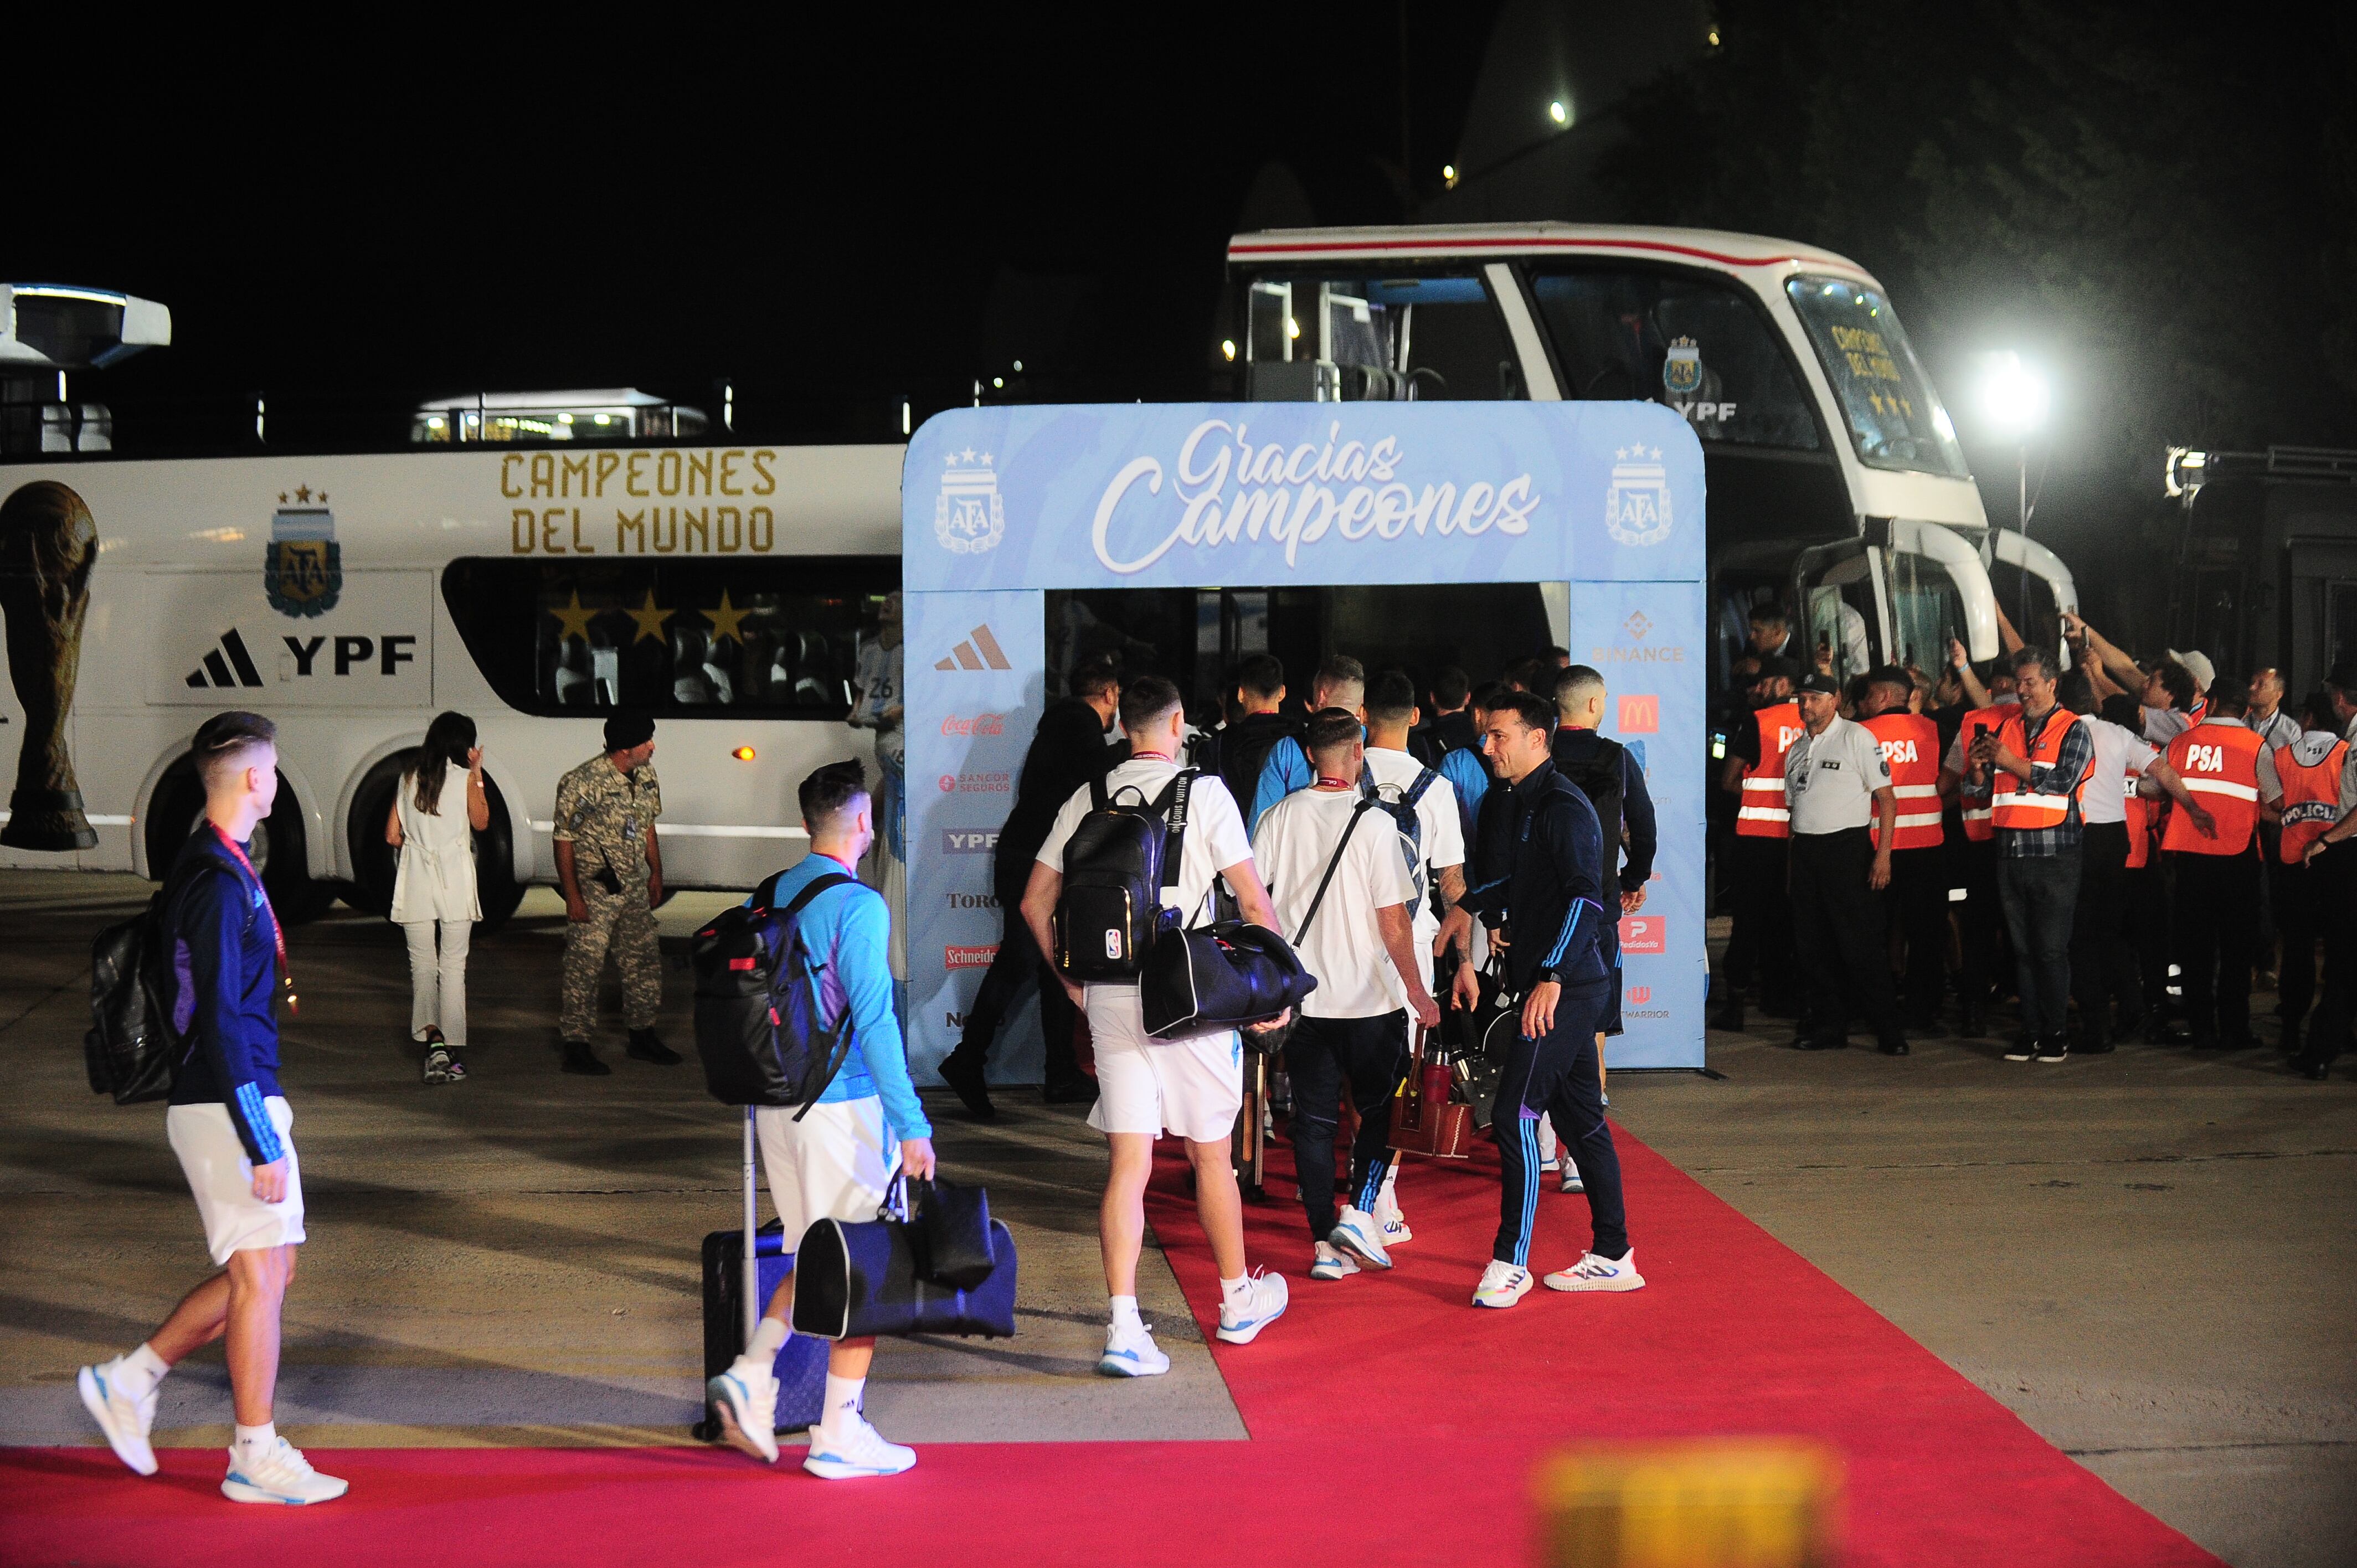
[(854, 1279)]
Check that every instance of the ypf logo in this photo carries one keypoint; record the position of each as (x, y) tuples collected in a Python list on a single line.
[(969, 840)]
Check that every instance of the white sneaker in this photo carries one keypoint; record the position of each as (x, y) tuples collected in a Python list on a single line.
[(1358, 1232), (1571, 1182), (125, 1421), (1131, 1353), (1592, 1272), (1503, 1286), (1262, 1304), (280, 1476), (857, 1450), (1328, 1263), (746, 1401), (1394, 1222), (1548, 1164)]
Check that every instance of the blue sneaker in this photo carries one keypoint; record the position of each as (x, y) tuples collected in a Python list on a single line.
[(1258, 1305), (1357, 1232), (1131, 1353)]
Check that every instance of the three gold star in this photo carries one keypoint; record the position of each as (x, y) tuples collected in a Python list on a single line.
[(651, 619), (575, 620), (724, 622)]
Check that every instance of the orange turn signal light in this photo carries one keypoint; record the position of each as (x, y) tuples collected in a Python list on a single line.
[(742, 754)]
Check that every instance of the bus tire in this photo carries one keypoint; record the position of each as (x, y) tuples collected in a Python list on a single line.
[(374, 862), (280, 850)]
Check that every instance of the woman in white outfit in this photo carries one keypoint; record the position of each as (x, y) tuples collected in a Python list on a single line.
[(434, 888)]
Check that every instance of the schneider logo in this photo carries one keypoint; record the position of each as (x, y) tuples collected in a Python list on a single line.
[(977, 783), (980, 650), (981, 724), (968, 958), (969, 840)]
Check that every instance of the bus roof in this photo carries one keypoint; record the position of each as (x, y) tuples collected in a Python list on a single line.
[(1428, 241)]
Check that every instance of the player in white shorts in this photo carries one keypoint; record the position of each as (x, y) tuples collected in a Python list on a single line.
[(232, 1130), (1192, 1086)]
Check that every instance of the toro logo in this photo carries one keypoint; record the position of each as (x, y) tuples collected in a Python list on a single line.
[(976, 783), (1643, 934), (968, 958), (981, 724), (972, 901), (1640, 714), (969, 840)]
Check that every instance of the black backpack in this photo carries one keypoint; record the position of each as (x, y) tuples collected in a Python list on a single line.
[(133, 1044), (1599, 779), (1410, 827), (1118, 860), (760, 1026)]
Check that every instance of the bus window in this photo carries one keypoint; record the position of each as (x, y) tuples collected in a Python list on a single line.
[(1895, 420), (756, 638), (1389, 340), (1694, 346), (1926, 610)]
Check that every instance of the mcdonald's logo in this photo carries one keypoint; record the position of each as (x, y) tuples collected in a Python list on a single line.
[(979, 651)]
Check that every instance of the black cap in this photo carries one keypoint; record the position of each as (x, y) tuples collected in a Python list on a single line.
[(624, 731), (1819, 681)]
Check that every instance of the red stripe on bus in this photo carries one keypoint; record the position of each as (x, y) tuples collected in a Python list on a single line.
[(1444, 245)]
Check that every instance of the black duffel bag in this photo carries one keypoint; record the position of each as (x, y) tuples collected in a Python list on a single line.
[(894, 1276), (1219, 977)]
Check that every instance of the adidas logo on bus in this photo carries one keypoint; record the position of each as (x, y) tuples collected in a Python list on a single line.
[(227, 664), (979, 651)]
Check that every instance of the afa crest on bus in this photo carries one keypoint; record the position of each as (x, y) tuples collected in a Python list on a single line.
[(302, 569), (969, 515)]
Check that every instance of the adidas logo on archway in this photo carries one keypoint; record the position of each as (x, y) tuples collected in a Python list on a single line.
[(979, 651), (227, 664)]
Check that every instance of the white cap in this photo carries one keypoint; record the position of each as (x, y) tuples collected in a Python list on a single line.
[(2198, 665)]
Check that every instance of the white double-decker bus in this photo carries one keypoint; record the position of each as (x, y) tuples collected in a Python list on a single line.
[(724, 589)]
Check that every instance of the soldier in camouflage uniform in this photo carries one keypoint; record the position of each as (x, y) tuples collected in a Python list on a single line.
[(611, 870)]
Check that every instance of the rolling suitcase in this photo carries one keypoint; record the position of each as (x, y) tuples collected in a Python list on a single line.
[(730, 1312)]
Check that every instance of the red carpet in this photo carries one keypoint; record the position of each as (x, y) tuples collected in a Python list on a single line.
[(1735, 1334)]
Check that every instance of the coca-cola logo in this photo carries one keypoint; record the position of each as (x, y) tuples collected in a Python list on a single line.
[(981, 724)]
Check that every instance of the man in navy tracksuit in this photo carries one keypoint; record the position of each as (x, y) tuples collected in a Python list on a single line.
[(1538, 884)]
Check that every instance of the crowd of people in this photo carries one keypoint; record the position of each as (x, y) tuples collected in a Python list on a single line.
[(2123, 848)]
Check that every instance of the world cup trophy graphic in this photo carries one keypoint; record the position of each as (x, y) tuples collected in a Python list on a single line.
[(48, 544)]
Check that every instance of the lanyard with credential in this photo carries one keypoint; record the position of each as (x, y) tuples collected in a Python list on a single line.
[(277, 931)]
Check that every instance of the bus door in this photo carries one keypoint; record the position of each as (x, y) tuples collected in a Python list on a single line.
[(2033, 586), (1937, 590), (1845, 612)]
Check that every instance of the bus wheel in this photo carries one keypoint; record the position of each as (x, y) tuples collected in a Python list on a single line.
[(496, 888), (279, 851)]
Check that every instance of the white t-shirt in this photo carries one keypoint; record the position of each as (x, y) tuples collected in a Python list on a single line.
[(1830, 778), (1344, 947), (1440, 828), (2118, 754), (1215, 829)]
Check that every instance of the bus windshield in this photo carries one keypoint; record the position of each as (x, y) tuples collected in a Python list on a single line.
[(1895, 420)]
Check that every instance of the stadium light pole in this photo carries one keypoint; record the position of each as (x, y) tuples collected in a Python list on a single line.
[(2014, 398)]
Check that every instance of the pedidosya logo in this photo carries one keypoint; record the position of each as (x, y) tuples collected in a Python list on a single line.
[(1637, 506), (969, 515)]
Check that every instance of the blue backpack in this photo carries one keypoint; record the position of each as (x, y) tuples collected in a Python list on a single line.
[(1400, 806), (761, 1025)]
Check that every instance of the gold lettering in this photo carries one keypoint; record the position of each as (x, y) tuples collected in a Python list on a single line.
[(694, 526), (762, 529), (666, 541), (548, 531), (634, 479), (520, 525), (767, 484), (699, 462), (543, 474), (729, 531), (667, 473), (508, 487), (728, 482), (634, 523), (579, 548), (607, 463), (573, 466)]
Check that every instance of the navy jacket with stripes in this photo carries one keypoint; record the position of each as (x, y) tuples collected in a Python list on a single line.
[(1538, 854)]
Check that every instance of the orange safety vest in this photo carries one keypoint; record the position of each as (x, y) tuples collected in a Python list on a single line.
[(2140, 814), (2220, 767), (1764, 815), (1911, 745), (2016, 805), (2311, 798), (1976, 804)]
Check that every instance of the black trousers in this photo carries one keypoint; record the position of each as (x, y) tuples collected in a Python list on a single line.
[(2148, 896), (2334, 886), (1918, 909), (2293, 889), (2103, 959), (1322, 1055), (1980, 924), (1557, 1074), (1761, 944), (2214, 933), (1838, 936), (1017, 964)]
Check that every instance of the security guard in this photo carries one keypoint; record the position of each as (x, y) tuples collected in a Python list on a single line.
[(1761, 939), (2215, 866), (1835, 782), (611, 871), (2334, 866), (1919, 872), (2299, 787)]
